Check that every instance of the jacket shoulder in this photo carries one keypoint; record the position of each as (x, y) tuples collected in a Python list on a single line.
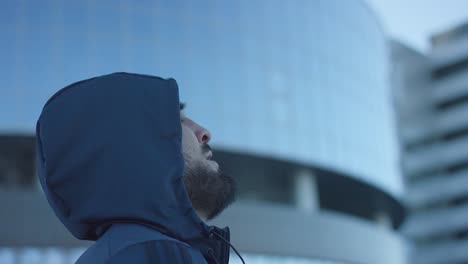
[(121, 237), (157, 251), (96, 253)]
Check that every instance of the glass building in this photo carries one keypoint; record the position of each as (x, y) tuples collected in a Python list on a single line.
[(295, 93)]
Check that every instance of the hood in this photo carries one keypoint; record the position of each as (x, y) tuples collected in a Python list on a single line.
[(109, 151)]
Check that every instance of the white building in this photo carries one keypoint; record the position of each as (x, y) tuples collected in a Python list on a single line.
[(432, 103)]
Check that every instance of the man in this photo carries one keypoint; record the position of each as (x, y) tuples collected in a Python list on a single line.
[(120, 164)]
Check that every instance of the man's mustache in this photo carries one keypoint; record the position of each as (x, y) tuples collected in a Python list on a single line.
[(206, 148)]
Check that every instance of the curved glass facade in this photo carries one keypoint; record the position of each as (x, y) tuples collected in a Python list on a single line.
[(297, 80)]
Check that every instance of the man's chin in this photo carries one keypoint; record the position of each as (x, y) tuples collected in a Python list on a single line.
[(210, 190)]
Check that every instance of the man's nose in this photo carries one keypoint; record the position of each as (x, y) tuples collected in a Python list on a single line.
[(202, 134)]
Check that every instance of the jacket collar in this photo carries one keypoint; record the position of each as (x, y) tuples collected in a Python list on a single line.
[(215, 248)]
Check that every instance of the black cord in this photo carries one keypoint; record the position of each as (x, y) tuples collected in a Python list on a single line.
[(235, 250)]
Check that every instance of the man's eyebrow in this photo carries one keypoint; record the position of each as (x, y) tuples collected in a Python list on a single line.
[(182, 106)]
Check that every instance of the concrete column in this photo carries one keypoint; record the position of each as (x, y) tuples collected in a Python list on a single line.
[(383, 219), (306, 191)]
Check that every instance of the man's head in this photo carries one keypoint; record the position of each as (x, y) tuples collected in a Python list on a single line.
[(209, 189), (102, 142)]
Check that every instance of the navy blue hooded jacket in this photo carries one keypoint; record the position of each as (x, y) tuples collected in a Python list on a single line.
[(110, 163)]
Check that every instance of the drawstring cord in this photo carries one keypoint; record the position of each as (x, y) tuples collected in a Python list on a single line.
[(235, 250), (213, 256)]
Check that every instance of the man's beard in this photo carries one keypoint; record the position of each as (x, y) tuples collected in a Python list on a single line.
[(210, 191)]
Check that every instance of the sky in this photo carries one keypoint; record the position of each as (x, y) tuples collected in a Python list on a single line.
[(414, 21)]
